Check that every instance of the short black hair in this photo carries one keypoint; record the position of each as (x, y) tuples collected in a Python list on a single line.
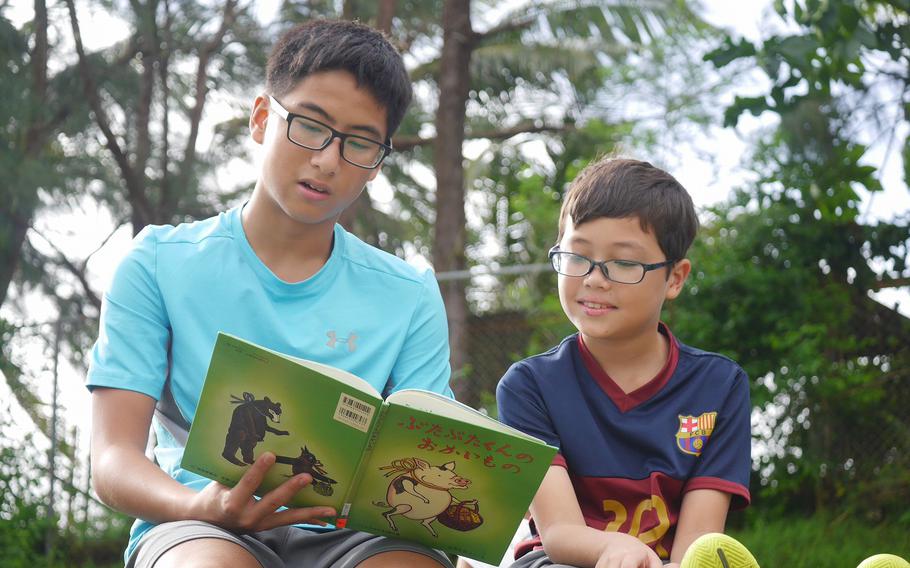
[(621, 188), (328, 45)]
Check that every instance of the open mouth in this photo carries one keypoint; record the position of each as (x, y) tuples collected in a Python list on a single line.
[(311, 187), (596, 306)]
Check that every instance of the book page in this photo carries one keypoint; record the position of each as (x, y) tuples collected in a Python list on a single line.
[(345, 377), (447, 483), (444, 406)]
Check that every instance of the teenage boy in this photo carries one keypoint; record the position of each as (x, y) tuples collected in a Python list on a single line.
[(653, 435), (278, 271)]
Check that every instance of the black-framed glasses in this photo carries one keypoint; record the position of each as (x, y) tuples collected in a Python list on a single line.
[(617, 270), (312, 134)]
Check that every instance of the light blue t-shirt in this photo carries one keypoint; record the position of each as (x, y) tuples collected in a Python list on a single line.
[(365, 311)]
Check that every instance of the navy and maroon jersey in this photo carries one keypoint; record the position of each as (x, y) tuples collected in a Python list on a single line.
[(631, 457)]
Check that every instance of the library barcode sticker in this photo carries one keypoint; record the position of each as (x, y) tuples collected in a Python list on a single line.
[(354, 412)]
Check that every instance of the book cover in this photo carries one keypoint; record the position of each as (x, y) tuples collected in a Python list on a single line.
[(314, 418), (442, 474), (417, 466)]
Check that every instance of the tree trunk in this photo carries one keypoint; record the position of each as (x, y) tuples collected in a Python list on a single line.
[(16, 214), (449, 230), (385, 11), (15, 223)]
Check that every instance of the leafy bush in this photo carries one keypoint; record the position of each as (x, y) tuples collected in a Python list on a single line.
[(820, 540), (26, 528)]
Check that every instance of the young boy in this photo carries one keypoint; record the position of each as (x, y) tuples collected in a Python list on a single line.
[(278, 271), (653, 435)]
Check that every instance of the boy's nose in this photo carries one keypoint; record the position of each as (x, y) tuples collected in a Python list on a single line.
[(329, 158), (598, 277)]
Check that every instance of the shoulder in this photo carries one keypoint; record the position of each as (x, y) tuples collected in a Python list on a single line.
[(378, 264), (157, 247), (146, 253), (711, 366), (549, 367), (189, 233)]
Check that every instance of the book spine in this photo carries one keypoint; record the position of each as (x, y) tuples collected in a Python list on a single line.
[(342, 520)]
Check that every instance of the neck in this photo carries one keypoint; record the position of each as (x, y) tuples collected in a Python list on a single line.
[(293, 251), (630, 362)]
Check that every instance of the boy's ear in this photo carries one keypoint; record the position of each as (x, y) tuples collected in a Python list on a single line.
[(258, 118), (678, 275)]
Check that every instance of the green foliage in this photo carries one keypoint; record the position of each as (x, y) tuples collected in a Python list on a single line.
[(56, 159), (551, 65), (22, 517), (797, 541), (31, 536), (828, 363), (844, 53), (781, 291)]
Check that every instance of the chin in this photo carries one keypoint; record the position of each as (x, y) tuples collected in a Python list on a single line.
[(309, 217), (600, 330), (598, 335)]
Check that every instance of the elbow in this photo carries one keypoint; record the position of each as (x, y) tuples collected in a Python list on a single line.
[(103, 471), (557, 540), (98, 482)]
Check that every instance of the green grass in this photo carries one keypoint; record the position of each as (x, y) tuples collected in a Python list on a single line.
[(820, 542)]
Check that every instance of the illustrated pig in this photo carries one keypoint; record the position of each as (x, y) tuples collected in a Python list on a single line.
[(421, 491)]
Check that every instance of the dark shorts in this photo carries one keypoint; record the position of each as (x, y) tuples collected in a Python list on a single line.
[(536, 559), (290, 547)]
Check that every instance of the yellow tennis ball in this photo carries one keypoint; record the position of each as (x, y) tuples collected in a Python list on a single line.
[(884, 561), (717, 550)]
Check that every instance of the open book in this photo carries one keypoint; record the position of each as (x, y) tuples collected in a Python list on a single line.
[(417, 465)]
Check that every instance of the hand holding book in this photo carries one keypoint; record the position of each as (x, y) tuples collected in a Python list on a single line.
[(235, 508)]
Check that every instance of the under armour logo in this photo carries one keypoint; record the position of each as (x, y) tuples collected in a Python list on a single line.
[(333, 339)]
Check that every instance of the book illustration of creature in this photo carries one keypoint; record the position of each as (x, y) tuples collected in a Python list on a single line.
[(422, 492), (249, 423), (307, 462)]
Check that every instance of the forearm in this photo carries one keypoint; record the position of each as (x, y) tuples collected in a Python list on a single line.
[(703, 511), (126, 480), (577, 545), (682, 541)]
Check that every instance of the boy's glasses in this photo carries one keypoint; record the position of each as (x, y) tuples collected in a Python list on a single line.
[(312, 134), (621, 271)]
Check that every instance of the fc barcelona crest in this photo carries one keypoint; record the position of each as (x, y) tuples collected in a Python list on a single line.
[(694, 432)]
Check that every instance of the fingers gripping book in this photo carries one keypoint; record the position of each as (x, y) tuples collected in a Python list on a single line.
[(416, 465)]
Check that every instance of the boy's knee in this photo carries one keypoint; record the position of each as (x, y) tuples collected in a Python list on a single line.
[(398, 558), (207, 553)]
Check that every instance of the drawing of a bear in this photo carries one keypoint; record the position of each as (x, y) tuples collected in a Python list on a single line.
[(249, 423)]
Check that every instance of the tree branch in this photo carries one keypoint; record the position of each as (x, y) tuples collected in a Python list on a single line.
[(164, 62), (891, 283), (195, 115), (148, 42), (404, 143), (77, 271), (134, 189), (506, 27), (117, 226), (34, 135)]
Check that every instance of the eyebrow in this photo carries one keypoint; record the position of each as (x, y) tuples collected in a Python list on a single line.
[(329, 118), (632, 245)]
